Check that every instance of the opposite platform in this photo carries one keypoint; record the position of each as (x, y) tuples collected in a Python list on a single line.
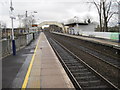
[(45, 70), (95, 40)]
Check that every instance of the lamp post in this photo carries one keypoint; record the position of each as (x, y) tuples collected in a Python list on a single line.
[(119, 19), (30, 19), (5, 31), (77, 26), (13, 38)]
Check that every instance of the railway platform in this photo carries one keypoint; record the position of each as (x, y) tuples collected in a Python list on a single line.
[(41, 69), (95, 40), (45, 70)]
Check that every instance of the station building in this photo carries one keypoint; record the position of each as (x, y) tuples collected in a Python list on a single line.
[(79, 28)]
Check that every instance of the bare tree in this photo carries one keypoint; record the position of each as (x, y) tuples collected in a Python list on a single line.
[(28, 21), (99, 9), (119, 14), (105, 13), (107, 6), (20, 17), (108, 12)]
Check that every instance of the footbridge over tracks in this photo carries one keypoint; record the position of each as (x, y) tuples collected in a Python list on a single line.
[(60, 25)]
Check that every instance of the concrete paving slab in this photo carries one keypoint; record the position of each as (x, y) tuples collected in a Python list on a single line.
[(35, 72), (47, 61), (34, 82), (52, 81), (50, 72), (49, 66)]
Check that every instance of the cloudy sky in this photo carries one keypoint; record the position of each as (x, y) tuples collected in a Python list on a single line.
[(48, 10)]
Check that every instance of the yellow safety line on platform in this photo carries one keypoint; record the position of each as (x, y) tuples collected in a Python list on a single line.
[(29, 69)]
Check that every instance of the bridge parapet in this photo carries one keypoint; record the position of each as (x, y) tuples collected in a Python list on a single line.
[(53, 23)]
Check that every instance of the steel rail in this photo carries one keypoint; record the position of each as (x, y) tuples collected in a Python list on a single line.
[(90, 68)]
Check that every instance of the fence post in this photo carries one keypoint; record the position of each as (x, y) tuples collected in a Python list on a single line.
[(33, 36), (119, 38)]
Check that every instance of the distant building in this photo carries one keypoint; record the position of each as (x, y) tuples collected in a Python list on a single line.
[(77, 28), (6, 32)]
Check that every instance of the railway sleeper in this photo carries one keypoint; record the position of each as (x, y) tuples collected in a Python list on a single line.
[(81, 67), (78, 70), (98, 87), (91, 83), (76, 67), (85, 76), (82, 75), (73, 67), (92, 77), (67, 58), (71, 62)]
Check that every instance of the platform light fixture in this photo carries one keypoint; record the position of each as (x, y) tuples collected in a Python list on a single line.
[(13, 37)]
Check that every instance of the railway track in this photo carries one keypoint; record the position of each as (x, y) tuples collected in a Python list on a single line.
[(109, 59), (81, 74), (103, 48), (107, 69)]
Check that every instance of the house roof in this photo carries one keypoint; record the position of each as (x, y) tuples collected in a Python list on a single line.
[(76, 23)]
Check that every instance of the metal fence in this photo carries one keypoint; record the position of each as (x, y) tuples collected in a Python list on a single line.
[(20, 42)]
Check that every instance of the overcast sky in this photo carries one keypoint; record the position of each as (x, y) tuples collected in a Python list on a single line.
[(48, 10)]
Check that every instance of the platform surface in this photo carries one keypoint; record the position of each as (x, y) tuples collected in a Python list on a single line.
[(96, 40), (45, 70), (15, 67)]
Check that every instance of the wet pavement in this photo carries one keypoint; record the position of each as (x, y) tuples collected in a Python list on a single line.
[(14, 67)]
